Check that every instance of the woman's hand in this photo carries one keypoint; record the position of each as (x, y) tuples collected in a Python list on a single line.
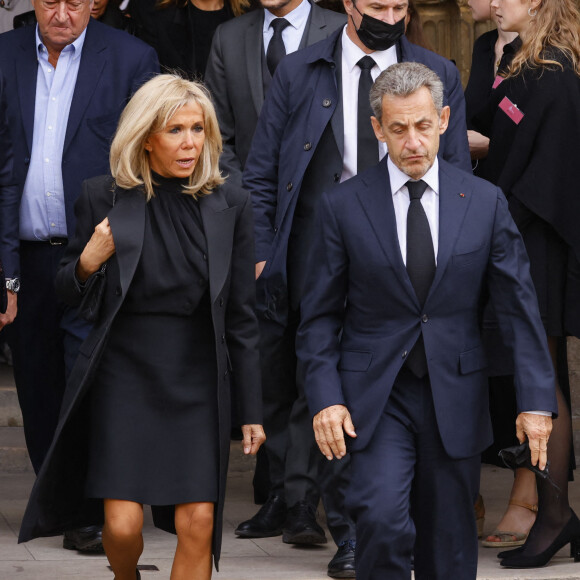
[(478, 145), (254, 436), (97, 251)]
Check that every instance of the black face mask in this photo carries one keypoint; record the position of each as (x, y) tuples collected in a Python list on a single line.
[(376, 34)]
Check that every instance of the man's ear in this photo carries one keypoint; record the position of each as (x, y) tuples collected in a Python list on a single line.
[(444, 119), (378, 129)]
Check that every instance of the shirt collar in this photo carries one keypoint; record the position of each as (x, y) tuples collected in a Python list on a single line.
[(398, 178), (76, 47), (297, 17), (351, 54)]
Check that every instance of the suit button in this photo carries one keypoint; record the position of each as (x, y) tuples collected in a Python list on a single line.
[(118, 290), (326, 103), (205, 257), (275, 230), (221, 301), (307, 146), (404, 355), (289, 186), (223, 338), (26, 160), (336, 177), (424, 318)]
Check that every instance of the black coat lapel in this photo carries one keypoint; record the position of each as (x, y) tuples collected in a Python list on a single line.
[(218, 223), (377, 201), (453, 204), (26, 66), (127, 221), (254, 41), (93, 60)]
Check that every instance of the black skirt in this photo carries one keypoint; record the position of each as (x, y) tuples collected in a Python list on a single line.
[(154, 420)]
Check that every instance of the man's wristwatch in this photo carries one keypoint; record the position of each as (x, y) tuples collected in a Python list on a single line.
[(13, 284)]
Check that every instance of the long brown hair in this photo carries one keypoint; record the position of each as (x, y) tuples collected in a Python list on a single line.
[(556, 25), (238, 6)]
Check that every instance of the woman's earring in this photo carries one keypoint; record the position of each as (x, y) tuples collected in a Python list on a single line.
[(531, 13)]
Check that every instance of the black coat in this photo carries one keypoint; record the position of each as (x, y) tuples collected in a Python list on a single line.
[(57, 500), (534, 161)]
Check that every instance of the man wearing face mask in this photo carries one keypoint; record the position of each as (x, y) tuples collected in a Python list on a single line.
[(313, 132)]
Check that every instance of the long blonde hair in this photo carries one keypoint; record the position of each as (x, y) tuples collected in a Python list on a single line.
[(149, 111), (556, 26), (238, 6)]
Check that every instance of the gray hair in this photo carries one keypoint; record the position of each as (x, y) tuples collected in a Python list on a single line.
[(404, 79)]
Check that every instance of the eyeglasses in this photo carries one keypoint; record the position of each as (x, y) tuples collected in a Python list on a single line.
[(71, 5)]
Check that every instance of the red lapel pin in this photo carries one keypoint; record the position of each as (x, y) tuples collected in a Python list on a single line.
[(461, 195)]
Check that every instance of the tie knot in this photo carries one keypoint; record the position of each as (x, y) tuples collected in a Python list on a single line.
[(278, 24), (366, 63), (416, 188)]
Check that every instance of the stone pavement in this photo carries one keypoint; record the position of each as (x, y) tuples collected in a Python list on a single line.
[(267, 559)]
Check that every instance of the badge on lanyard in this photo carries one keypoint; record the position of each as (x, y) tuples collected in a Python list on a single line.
[(498, 80), (511, 110)]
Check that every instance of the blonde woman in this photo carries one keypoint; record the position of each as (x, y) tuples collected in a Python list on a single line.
[(533, 122), (181, 31), (146, 415)]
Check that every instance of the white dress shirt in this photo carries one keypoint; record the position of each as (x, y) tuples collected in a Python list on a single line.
[(291, 35), (429, 201), (351, 54)]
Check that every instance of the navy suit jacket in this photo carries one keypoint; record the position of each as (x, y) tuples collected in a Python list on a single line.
[(113, 66), (361, 317), (303, 99)]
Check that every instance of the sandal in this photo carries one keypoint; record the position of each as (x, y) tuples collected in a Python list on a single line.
[(510, 539)]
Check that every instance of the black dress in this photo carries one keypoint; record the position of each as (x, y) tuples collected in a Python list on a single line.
[(153, 409)]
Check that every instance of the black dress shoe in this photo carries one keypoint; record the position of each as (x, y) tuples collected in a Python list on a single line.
[(267, 522), (342, 565), (89, 539), (301, 526)]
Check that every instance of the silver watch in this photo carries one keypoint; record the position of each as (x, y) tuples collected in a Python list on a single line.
[(13, 284)]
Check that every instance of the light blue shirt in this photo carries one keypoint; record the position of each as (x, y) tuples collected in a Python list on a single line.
[(42, 209), (291, 35)]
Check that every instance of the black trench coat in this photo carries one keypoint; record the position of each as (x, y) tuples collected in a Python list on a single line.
[(57, 501)]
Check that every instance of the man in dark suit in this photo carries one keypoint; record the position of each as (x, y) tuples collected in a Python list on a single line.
[(238, 75), (390, 338), (71, 77), (306, 140)]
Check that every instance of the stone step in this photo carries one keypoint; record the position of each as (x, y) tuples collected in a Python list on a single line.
[(10, 415), (13, 453)]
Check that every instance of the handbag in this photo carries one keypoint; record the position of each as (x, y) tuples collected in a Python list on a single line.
[(520, 456), (94, 288)]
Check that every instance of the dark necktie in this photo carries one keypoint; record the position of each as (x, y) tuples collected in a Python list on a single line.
[(276, 49), (420, 264), (367, 144)]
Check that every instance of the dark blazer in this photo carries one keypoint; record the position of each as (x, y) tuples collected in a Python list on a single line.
[(357, 283), (303, 101), (113, 66), (235, 78), (57, 501)]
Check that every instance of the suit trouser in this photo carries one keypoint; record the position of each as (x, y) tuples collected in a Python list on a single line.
[(44, 340), (409, 497), (298, 471)]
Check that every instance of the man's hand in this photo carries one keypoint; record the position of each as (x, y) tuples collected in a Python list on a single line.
[(11, 310), (260, 268), (537, 428), (98, 250), (328, 430), (253, 437)]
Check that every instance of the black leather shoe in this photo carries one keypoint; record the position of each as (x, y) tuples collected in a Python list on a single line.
[(301, 526), (267, 522), (342, 565), (89, 539)]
